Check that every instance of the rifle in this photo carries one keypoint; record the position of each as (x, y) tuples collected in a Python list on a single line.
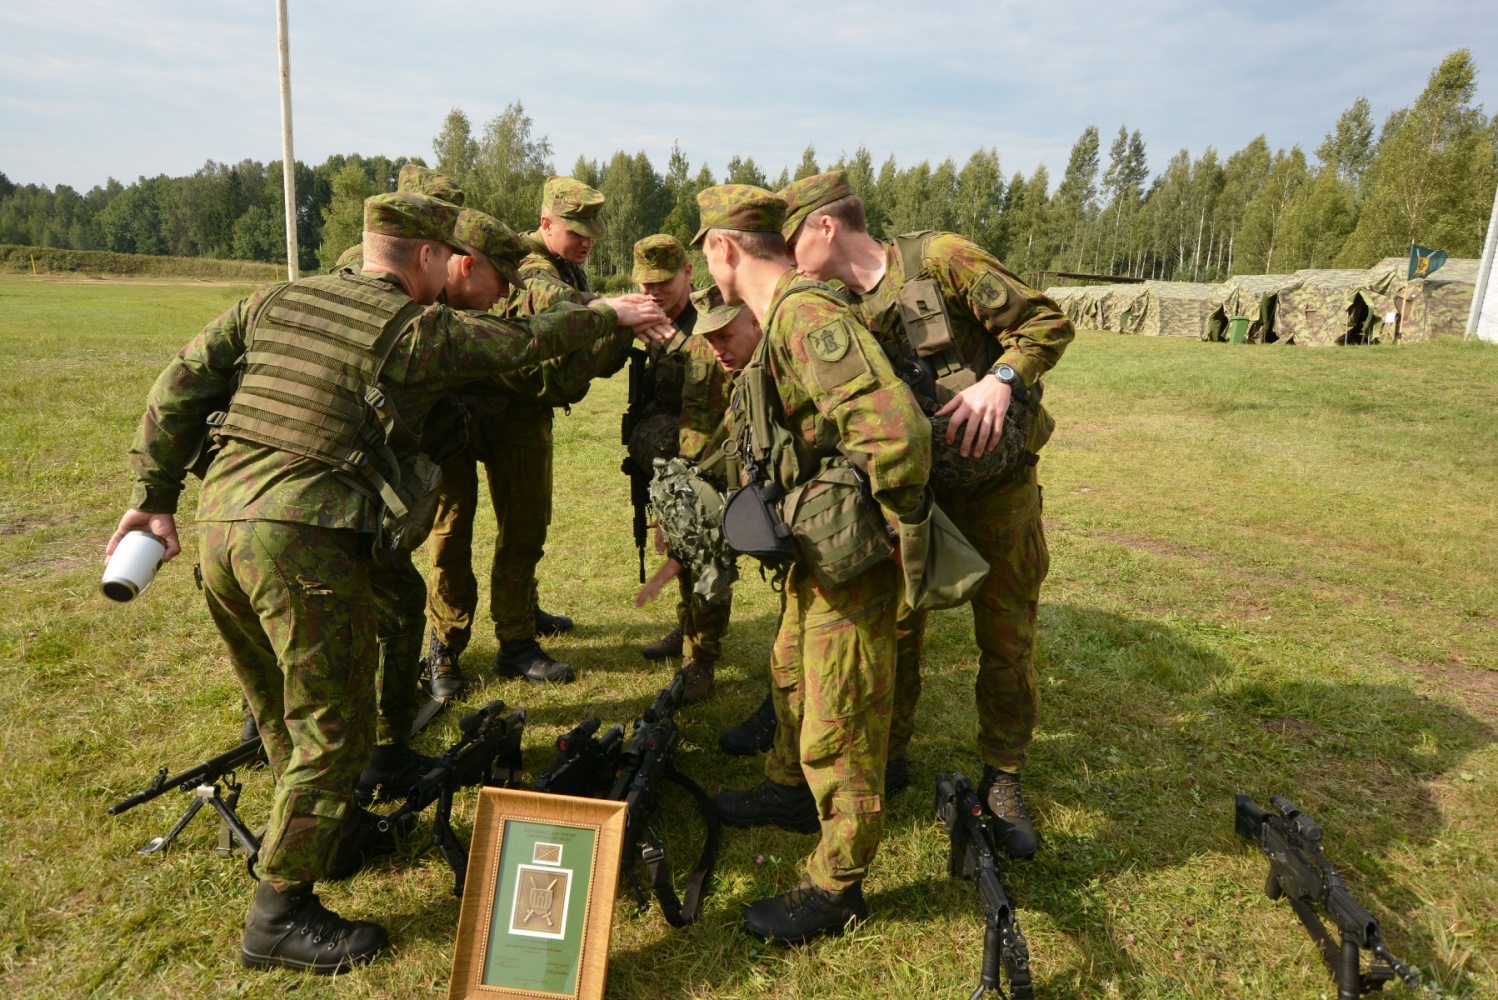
[(585, 763), (972, 858), (202, 782), (1298, 870), (643, 762), (641, 394), (486, 738)]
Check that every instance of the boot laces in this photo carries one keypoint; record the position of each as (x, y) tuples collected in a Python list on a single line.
[(321, 924), (1005, 794)]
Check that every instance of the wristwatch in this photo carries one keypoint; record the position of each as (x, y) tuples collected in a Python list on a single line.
[(1005, 373)]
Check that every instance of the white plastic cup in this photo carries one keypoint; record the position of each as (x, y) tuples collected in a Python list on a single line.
[(133, 566)]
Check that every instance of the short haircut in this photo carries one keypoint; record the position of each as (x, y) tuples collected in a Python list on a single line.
[(760, 246), (847, 210), (399, 251)]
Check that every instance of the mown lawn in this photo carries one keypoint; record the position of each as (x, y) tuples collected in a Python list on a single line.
[(1273, 572)]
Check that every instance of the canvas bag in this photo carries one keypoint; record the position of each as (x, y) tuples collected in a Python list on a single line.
[(941, 567)]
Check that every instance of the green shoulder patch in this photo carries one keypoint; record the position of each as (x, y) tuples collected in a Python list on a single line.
[(830, 343), (990, 292)]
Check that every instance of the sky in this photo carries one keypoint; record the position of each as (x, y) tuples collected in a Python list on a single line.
[(93, 89)]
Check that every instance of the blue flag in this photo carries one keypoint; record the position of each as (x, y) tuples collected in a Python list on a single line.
[(1424, 261)]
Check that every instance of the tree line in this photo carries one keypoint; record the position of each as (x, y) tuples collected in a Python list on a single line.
[(1426, 176)]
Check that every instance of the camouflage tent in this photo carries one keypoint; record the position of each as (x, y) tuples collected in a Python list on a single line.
[(1254, 296), (1178, 308), (1066, 296), (1121, 309), (1428, 307), (1334, 307)]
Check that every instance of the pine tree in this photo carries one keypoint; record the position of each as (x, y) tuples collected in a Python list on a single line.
[(343, 219)]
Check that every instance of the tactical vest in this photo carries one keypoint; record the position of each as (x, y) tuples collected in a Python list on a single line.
[(309, 384), (822, 501), (669, 369)]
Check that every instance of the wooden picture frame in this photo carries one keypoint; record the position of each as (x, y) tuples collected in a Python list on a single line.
[(538, 898)]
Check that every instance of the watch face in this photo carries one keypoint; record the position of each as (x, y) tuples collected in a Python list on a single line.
[(1005, 373)]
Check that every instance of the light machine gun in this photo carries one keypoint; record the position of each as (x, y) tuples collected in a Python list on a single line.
[(972, 858), (488, 747), (1298, 870), (586, 763), (202, 782)]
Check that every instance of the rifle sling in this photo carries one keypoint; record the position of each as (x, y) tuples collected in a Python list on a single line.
[(681, 912)]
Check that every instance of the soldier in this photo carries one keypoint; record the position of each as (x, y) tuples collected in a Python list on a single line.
[(475, 282), (316, 390), (1002, 336), (818, 398), (689, 397), (515, 443)]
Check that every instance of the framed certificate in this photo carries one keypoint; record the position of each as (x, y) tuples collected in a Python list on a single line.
[(538, 900)]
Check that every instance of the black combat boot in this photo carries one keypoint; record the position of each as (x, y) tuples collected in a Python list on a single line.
[(755, 734), (552, 624), (442, 661), (1011, 824), (896, 775), (393, 769), (699, 679), (525, 658), (363, 841), (249, 730), (293, 930), (664, 648), (790, 807), (805, 912)]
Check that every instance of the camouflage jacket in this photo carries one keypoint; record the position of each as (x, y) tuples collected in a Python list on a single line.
[(704, 401), (840, 395), (984, 298), (442, 350)]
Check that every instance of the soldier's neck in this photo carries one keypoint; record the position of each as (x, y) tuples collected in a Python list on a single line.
[(864, 264), (756, 280)]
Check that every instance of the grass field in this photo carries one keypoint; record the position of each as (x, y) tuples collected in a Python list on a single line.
[(1273, 572)]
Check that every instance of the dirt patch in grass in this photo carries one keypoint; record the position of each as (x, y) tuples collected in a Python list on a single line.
[(1157, 546), (1297, 732), (1474, 688)]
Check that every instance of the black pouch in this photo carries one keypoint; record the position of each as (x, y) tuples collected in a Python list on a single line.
[(752, 524)]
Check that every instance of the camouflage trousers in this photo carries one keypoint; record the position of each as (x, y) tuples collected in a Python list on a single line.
[(400, 609), (832, 682), (703, 625), (520, 490), (1004, 524), (293, 604)]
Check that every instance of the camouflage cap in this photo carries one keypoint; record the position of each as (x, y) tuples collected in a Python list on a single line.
[(712, 313), (353, 253), (412, 216), (742, 207), (658, 258), (578, 206), (805, 196), (494, 241), (419, 180)]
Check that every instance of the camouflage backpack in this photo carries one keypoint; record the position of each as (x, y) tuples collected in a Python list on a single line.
[(689, 511)]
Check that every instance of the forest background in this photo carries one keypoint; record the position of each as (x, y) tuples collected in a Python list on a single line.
[(1426, 176)]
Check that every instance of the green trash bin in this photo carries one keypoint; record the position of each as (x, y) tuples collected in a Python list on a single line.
[(1238, 329)]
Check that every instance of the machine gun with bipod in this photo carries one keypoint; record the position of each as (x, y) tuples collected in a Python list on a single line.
[(488, 748), (586, 763), (972, 858)]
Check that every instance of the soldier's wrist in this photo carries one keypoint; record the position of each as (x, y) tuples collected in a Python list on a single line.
[(154, 499)]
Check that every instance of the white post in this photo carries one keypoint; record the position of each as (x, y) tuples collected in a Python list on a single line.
[(288, 161), (1484, 272)]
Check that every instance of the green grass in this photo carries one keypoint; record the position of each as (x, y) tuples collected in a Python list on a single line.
[(1273, 572)]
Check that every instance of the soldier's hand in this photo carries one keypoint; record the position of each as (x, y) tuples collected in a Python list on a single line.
[(636, 311), (658, 333), (979, 408), (670, 570), (163, 526)]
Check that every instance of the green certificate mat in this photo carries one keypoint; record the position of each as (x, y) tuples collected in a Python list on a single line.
[(540, 907)]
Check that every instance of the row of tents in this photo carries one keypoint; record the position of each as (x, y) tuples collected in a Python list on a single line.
[(1379, 305)]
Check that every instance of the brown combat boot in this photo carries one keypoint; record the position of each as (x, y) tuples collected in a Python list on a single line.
[(699, 679), (664, 648)]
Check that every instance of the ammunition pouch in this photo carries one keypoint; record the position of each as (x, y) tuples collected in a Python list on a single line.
[(838, 528), (752, 524), (409, 507)]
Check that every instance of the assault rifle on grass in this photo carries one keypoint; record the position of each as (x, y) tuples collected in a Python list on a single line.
[(972, 858), (1298, 870), (487, 749), (641, 393), (203, 784), (586, 763)]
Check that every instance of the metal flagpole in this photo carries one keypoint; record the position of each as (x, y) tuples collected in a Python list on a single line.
[(1485, 272), (288, 162)]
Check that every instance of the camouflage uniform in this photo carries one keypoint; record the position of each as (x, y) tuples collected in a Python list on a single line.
[(1003, 521), (286, 539), (513, 438), (832, 665), (691, 386)]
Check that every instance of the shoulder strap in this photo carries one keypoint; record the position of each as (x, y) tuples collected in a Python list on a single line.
[(681, 911), (912, 250)]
